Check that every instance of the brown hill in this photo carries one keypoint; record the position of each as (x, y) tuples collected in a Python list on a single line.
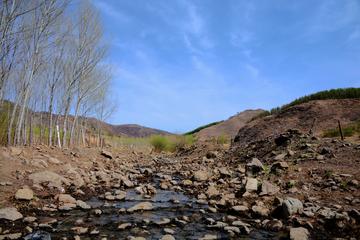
[(318, 115), (134, 130), (229, 127)]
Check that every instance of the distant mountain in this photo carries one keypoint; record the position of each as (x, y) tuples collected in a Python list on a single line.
[(229, 127), (92, 124), (134, 130)]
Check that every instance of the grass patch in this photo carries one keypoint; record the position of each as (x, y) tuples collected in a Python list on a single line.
[(348, 131), (170, 143)]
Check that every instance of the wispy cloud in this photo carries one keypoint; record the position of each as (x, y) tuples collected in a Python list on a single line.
[(354, 35), (333, 15), (110, 11), (254, 71)]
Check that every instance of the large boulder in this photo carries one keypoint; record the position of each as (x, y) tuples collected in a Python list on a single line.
[(10, 213), (49, 177)]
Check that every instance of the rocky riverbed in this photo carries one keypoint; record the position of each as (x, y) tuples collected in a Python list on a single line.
[(293, 186)]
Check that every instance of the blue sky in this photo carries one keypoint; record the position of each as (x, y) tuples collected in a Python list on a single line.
[(179, 64)]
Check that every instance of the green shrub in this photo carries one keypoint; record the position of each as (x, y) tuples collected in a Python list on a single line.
[(160, 143), (171, 143)]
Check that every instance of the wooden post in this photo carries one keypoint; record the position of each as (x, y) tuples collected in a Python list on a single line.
[(340, 130)]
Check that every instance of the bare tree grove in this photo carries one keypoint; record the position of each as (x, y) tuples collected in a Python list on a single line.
[(52, 71)]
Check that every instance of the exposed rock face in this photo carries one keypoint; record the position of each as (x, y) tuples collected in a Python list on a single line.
[(143, 206), (10, 213), (291, 206), (24, 194), (299, 233)]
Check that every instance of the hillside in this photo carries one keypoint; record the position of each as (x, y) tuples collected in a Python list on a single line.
[(321, 114), (228, 127), (134, 130), (92, 124)]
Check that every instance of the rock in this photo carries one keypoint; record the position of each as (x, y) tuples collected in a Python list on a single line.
[(201, 176), (260, 210), (280, 157), (291, 206), (209, 237), (254, 167), (268, 189), (274, 225), (66, 198), (38, 235), (224, 172), (48, 177), (299, 233), (97, 212), (80, 230), (244, 227), (169, 231), (67, 206), (279, 166), (24, 194), (143, 206), (82, 204), (29, 219), (126, 182), (106, 154), (11, 236), (124, 226), (163, 221), (240, 208), (232, 229), (167, 237), (10, 213), (212, 191), (187, 182), (251, 184), (120, 195)]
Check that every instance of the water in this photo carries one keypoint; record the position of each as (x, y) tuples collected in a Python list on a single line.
[(164, 207)]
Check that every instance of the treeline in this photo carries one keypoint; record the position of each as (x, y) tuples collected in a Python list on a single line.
[(340, 93), (51, 66), (202, 127)]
